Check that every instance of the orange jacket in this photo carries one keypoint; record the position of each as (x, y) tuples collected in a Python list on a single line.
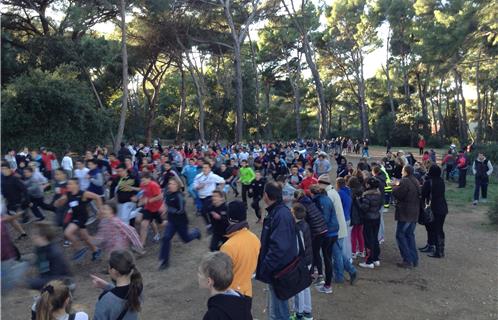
[(243, 247)]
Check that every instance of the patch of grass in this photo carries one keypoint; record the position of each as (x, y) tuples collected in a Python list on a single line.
[(458, 197)]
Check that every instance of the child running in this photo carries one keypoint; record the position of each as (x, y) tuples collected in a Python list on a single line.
[(219, 220), (77, 201), (114, 234), (177, 222), (153, 201)]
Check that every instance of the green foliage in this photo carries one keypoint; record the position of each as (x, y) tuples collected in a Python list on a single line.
[(52, 109), (490, 150), (437, 142)]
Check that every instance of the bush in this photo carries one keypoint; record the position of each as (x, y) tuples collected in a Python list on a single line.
[(493, 212), (51, 109), (437, 142)]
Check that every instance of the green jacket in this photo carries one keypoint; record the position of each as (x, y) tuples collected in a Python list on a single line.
[(247, 175)]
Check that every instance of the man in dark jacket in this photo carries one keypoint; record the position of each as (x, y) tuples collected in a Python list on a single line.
[(123, 153), (407, 194), (278, 246), (482, 169)]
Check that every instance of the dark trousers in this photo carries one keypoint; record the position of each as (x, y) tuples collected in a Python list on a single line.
[(431, 235), (37, 204), (462, 177), (216, 241), (245, 190), (256, 207), (370, 233), (435, 229), (420, 151), (323, 243), (482, 185), (169, 232), (206, 203), (449, 168)]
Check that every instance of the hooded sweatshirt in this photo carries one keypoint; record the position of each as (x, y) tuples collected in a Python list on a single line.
[(230, 305)]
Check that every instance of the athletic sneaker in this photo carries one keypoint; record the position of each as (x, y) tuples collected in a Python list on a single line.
[(474, 203), (66, 243), (381, 240), (157, 237), (80, 254), (484, 200), (367, 265), (324, 289), (377, 263), (96, 255), (307, 316), (197, 233), (320, 281), (353, 255)]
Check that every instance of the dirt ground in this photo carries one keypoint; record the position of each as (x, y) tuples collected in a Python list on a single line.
[(464, 285)]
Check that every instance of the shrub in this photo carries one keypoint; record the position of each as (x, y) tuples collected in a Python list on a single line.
[(493, 212), (437, 142)]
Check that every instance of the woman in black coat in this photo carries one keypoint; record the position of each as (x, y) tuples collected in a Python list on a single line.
[(433, 192)]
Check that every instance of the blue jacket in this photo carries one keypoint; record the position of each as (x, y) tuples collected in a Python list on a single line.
[(278, 242), (345, 194), (323, 202), (190, 172)]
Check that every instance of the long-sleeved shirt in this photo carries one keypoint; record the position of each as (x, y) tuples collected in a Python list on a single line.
[(67, 163), (247, 175), (322, 167), (208, 183)]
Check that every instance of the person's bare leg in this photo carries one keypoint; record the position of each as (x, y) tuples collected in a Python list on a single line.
[(70, 234), (17, 226), (144, 226), (86, 238), (155, 228)]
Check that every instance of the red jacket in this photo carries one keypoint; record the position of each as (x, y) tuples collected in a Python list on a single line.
[(307, 183), (462, 162), (421, 143)]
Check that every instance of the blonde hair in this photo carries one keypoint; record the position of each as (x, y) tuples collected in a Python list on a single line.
[(218, 266), (53, 297)]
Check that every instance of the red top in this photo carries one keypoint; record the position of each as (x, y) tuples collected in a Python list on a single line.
[(307, 183), (156, 156), (152, 190), (421, 143), (425, 157), (47, 160)]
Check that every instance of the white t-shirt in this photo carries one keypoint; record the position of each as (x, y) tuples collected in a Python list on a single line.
[(243, 156), (67, 163), (81, 175), (208, 183)]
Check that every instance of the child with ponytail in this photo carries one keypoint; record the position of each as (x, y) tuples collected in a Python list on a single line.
[(54, 303), (121, 301)]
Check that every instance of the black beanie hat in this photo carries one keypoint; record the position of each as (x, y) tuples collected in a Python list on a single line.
[(237, 211)]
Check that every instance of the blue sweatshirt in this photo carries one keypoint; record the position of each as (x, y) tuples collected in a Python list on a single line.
[(345, 194)]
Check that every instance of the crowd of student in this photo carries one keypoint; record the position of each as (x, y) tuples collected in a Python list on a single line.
[(312, 221)]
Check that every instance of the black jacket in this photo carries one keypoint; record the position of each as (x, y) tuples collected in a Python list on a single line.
[(257, 188), (433, 190), (219, 226), (314, 217), (356, 212), (175, 203), (303, 227), (370, 204), (13, 190), (228, 307)]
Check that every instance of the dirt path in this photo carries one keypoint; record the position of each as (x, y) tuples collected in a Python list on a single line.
[(464, 285)]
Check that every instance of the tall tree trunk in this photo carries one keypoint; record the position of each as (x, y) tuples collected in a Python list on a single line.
[(363, 104), (433, 111), (183, 105), (268, 131), (124, 58), (239, 121), (388, 78), (458, 112), (406, 85), (480, 119), (464, 108), (422, 94), (440, 107), (322, 107), (256, 77), (200, 100)]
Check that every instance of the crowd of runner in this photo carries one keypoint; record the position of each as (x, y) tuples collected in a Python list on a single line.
[(323, 215)]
